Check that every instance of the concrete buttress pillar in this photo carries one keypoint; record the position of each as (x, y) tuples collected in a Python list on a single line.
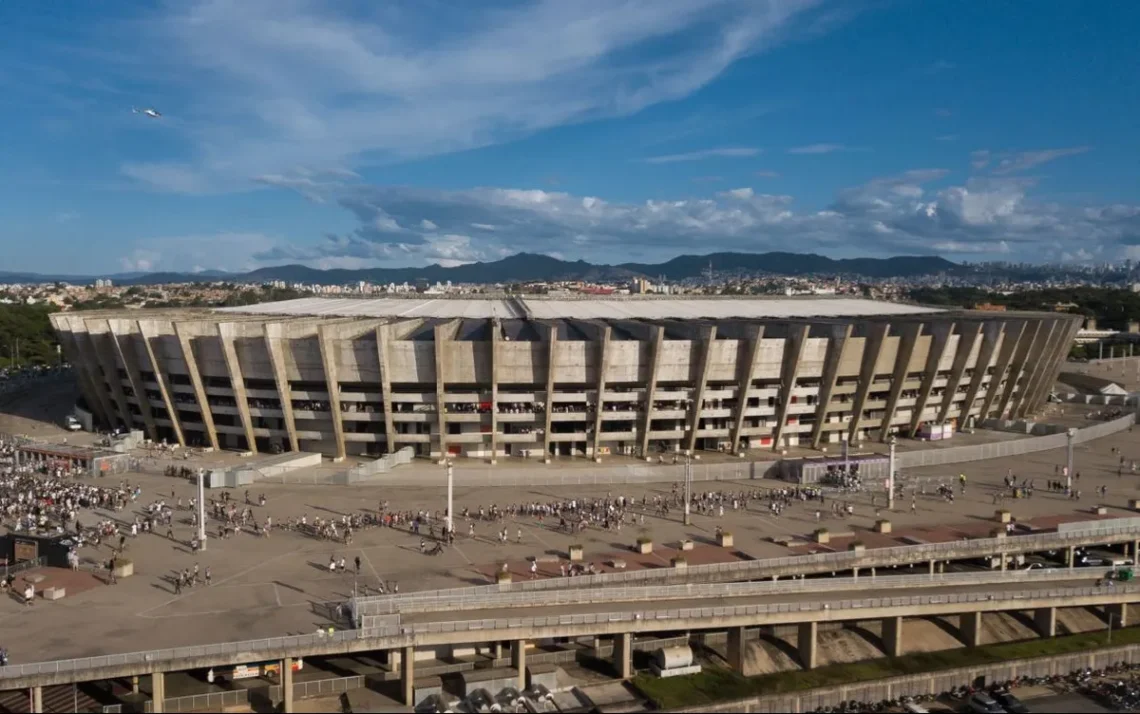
[(286, 680), (37, 696), (807, 643), (893, 636), (623, 655), (408, 676), (518, 661), (1118, 613), (1070, 554), (134, 685), (1045, 619), (158, 692), (497, 650), (737, 647), (970, 628)]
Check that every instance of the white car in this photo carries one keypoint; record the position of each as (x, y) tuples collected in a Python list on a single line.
[(72, 424)]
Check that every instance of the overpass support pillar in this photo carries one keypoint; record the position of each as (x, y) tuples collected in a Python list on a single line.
[(737, 646), (970, 628), (36, 694), (408, 676), (134, 685), (518, 661), (1045, 619), (932, 568), (1070, 556), (623, 655), (1118, 613), (286, 680), (893, 636), (807, 643), (158, 692), (1135, 550), (497, 650)]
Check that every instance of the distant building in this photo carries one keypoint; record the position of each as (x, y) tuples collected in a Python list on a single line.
[(989, 307)]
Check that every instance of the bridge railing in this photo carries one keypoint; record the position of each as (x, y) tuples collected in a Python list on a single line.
[(1125, 528), (377, 611), (607, 618)]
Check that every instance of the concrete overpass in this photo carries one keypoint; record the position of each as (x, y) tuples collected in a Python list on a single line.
[(623, 615)]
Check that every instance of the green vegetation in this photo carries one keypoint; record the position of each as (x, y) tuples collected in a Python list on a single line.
[(26, 328), (716, 684), (1112, 307), (263, 294)]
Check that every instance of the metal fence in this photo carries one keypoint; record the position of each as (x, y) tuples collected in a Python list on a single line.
[(377, 613), (24, 565), (1001, 449), (212, 702), (382, 465)]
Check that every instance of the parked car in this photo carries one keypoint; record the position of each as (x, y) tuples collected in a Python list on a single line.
[(1011, 703), (983, 703)]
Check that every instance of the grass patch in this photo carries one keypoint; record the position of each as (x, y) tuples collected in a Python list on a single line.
[(716, 684)]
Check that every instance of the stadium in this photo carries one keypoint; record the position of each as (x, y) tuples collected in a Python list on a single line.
[(545, 378)]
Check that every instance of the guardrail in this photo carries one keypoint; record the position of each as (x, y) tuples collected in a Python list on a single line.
[(24, 565), (608, 618), (432, 601), (819, 562)]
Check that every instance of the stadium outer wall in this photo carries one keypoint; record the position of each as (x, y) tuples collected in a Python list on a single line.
[(541, 388)]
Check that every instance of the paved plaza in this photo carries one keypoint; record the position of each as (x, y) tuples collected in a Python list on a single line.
[(265, 587)]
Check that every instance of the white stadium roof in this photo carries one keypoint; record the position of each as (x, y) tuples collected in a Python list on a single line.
[(584, 309)]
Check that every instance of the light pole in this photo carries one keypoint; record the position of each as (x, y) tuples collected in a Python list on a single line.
[(1069, 458), (688, 488), (450, 496), (891, 473), (201, 509)]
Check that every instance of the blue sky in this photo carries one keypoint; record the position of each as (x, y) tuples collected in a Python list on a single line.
[(353, 134)]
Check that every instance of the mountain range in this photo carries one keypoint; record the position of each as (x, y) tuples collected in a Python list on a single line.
[(523, 267)]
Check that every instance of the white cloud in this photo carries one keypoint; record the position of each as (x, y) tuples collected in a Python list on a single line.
[(1024, 160), (980, 159), (733, 153), (195, 253), (817, 149), (886, 216), (267, 85)]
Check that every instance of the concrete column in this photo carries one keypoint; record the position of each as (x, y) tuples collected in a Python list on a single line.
[(699, 395), (603, 365), (518, 661), (496, 335), (131, 367), (1030, 345), (789, 371), (967, 339), (1002, 557), (970, 628), (325, 337), (623, 655), (1070, 555), (807, 643), (932, 568), (903, 353), (939, 343), (651, 389), (497, 650), (1045, 619), (551, 373), (286, 679), (1118, 613), (158, 692), (737, 647), (37, 696), (408, 676), (382, 337), (183, 332), (1036, 368), (747, 374), (134, 685), (893, 636), (275, 334), (1009, 335), (872, 347), (836, 346)]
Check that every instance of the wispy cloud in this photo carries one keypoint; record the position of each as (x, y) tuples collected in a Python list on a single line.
[(725, 153), (819, 149), (1024, 160), (939, 66), (980, 159), (66, 216), (943, 113), (271, 85), (766, 174), (707, 179)]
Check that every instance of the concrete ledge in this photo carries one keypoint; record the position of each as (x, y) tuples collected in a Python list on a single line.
[(53, 593)]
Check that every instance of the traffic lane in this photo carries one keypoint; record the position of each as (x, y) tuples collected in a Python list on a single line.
[(861, 593)]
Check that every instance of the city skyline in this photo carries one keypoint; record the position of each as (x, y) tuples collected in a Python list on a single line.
[(412, 134)]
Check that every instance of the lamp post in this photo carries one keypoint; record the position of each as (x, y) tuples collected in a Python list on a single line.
[(688, 488), (1069, 458), (891, 473), (450, 497), (201, 509)]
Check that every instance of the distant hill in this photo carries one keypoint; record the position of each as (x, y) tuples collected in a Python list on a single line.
[(524, 267)]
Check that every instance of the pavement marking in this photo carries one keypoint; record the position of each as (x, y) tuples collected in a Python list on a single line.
[(536, 532), (238, 574), (276, 594), (455, 547), (371, 567)]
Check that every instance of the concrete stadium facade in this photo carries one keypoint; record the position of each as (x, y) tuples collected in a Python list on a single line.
[(545, 378)]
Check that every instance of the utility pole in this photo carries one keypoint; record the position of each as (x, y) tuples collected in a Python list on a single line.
[(202, 510), (688, 488), (891, 475), (450, 495), (1069, 458)]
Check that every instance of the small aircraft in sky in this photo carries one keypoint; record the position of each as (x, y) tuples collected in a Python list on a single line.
[(152, 113)]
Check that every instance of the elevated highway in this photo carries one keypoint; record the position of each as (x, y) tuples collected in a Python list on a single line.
[(626, 613)]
